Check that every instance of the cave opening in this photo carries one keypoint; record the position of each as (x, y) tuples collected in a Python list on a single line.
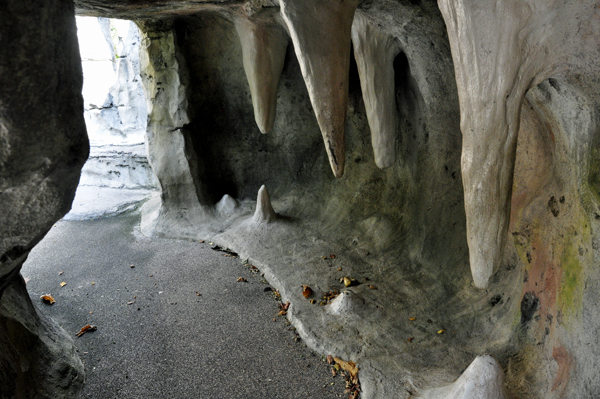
[(117, 176)]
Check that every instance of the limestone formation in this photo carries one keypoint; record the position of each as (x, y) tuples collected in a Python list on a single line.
[(482, 379), (226, 206), (375, 51), (264, 210), (500, 50), (264, 44), (164, 77), (43, 145), (320, 31)]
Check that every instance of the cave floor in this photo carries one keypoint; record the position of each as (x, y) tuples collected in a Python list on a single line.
[(156, 337)]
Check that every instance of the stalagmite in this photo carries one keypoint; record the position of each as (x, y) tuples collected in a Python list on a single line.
[(321, 33), (226, 206), (264, 45), (482, 379), (375, 51), (264, 210), (500, 50)]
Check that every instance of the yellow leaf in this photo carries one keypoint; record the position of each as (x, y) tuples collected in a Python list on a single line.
[(48, 298), (412, 318), (348, 366), (441, 331), (63, 284)]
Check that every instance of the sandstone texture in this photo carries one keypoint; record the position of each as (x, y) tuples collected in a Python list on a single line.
[(43, 145)]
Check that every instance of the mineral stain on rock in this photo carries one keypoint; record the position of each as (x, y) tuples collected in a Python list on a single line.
[(529, 305)]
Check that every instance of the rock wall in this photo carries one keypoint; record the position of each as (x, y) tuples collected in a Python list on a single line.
[(43, 145)]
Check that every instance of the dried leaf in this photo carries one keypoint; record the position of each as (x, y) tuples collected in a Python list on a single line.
[(312, 301), (323, 257), (441, 331), (241, 280), (410, 339), (332, 256), (198, 294), (284, 306), (339, 269), (330, 359), (348, 366), (372, 287), (412, 318), (201, 241), (333, 373), (48, 298), (306, 291), (60, 273), (93, 283), (63, 284), (131, 303), (132, 266), (87, 328), (282, 313)]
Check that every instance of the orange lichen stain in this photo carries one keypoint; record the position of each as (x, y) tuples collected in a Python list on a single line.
[(565, 361)]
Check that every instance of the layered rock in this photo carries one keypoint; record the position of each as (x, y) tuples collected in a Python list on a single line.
[(43, 145)]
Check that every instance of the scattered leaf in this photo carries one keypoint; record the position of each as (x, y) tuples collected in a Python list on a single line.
[(312, 301), (339, 269), (349, 281), (410, 339), (348, 366), (241, 280), (87, 328), (282, 313), (412, 318), (323, 257), (132, 266), (333, 373), (284, 306), (60, 273), (63, 284), (441, 331), (93, 283), (332, 256), (372, 287), (201, 241), (198, 294), (90, 312), (274, 319), (131, 303), (306, 291), (152, 275), (48, 298), (330, 359)]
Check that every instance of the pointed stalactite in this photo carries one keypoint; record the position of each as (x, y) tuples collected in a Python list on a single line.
[(375, 51), (264, 44), (264, 210), (321, 33)]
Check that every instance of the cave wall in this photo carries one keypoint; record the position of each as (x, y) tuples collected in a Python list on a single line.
[(43, 145)]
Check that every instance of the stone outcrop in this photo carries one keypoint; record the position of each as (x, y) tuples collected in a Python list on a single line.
[(264, 210), (43, 145)]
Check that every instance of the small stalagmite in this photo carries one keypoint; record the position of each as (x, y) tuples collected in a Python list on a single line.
[(482, 379), (264, 210)]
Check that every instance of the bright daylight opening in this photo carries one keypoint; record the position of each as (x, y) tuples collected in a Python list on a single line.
[(117, 176)]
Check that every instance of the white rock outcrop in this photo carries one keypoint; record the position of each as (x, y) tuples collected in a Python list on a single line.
[(501, 49), (483, 379), (264, 210)]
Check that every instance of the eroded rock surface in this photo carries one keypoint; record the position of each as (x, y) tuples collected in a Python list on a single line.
[(43, 145)]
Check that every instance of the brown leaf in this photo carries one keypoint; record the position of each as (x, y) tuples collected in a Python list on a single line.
[(306, 291), (412, 318), (60, 273), (339, 269), (312, 301), (241, 280), (348, 366), (284, 306), (333, 373), (372, 287), (87, 328), (410, 339), (282, 313), (332, 256), (198, 294), (330, 359), (48, 298)]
